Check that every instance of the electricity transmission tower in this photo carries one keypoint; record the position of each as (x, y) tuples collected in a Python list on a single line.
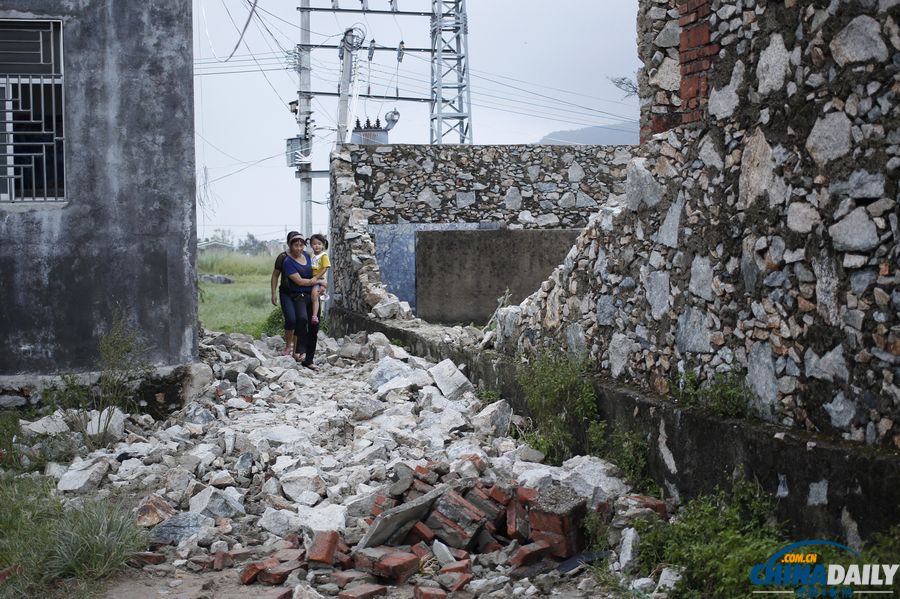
[(449, 101)]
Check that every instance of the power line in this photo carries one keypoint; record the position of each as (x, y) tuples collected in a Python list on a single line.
[(244, 30), (240, 170), (246, 45)]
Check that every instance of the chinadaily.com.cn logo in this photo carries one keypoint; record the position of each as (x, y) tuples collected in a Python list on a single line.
[(800, 570)]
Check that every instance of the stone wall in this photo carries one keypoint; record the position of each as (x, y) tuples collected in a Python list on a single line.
[(124, 239), (761, 238), (534, 187), (514, 187)]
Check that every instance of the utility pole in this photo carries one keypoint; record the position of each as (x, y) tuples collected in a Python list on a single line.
[(352, 42), (304, 119)]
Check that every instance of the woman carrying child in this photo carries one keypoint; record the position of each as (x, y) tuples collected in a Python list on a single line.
[(297, 269)]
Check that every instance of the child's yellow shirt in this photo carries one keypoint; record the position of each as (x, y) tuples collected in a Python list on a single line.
[(320, 263)]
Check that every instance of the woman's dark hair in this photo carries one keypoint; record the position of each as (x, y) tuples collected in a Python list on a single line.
[(293, 234), (320, 237)]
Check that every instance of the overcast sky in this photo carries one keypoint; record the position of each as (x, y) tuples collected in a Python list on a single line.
[(537, 67)]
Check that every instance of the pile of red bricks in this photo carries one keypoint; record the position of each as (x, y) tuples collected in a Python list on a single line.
[(696, 54), (467, 518)]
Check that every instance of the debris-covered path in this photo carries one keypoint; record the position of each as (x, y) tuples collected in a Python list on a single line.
[(380, 474)]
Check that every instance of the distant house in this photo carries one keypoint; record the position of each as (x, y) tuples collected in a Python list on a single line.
[(215, 245), (97, 189)]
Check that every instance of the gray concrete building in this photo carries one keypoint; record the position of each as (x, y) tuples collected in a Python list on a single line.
[(96, 181)]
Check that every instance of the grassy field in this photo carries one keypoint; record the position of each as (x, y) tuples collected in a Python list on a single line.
[(243, 306)]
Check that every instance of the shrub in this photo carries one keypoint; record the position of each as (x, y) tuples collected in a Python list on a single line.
[(560, 398), (726, 396), (274, 323), (56, 550), (9, 435), (715, 538), (488, 396)]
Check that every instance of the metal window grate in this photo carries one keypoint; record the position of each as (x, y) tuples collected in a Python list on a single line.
[(31, 112)]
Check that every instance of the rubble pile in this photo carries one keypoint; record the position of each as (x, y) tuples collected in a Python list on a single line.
[(379, 473)]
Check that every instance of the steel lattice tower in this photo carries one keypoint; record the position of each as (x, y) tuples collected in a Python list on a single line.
[(451, 104)]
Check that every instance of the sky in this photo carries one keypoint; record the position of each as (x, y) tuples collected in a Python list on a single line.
[(536, 67)]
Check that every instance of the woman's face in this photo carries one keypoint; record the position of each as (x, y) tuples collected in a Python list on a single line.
[(297, 247)]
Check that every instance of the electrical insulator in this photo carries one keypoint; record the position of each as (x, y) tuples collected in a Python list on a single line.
[(364, 4), (334, 5), (308, 127), (371, 50), (394, 5), (400, 52)]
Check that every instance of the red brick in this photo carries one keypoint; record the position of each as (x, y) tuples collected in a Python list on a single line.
[(398, 566), (479, 463), (287, 555), (690, 117), (454, 581), (426, 474), (365, 559), (345, 577), (561, 545), (694, 36), (494, 511), (419, 533), (524, 495), (251, 571), (278, 574), (343, 560), (687, 19), (541, 520), (364, 591), (691, 87), (459, 554), (420, 486), (342, 546), (500, 495), (221, 561), (429, 593), (528, 554), (323, 546), (460, 566), (421, 550), (517, 522)]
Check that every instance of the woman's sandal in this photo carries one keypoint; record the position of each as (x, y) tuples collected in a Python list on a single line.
[(311, 366), (299, 358)]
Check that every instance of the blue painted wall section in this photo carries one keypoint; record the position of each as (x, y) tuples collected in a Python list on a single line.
[(395, 250)]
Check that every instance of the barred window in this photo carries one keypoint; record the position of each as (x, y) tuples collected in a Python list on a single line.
[(31, 112)]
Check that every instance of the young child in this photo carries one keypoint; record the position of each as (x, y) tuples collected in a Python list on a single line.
[(320, 264)]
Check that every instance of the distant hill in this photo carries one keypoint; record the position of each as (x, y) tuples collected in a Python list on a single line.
[(627, 132)]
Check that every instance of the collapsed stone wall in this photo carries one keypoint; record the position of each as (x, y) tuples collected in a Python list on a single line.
[(515, 187), (761, 238)]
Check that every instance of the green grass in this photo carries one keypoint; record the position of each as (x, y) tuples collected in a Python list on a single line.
[(57, 552), (243, 306)]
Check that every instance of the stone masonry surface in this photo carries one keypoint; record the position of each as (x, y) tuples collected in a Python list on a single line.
[(772, 250)]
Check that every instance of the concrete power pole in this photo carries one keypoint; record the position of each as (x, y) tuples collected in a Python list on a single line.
[(304, 119), (352, 42)]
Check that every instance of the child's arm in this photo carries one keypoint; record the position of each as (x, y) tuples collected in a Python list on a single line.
[(323, 277)]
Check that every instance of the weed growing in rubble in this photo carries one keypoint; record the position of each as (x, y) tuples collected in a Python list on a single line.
[(274, 323), (714, 537), (560, 398), (55, 552), (726, 396), (121, 369), (9, 435)]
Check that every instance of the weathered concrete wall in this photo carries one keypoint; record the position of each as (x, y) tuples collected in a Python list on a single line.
[(763, 237), (460, 274), (125, 239)]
